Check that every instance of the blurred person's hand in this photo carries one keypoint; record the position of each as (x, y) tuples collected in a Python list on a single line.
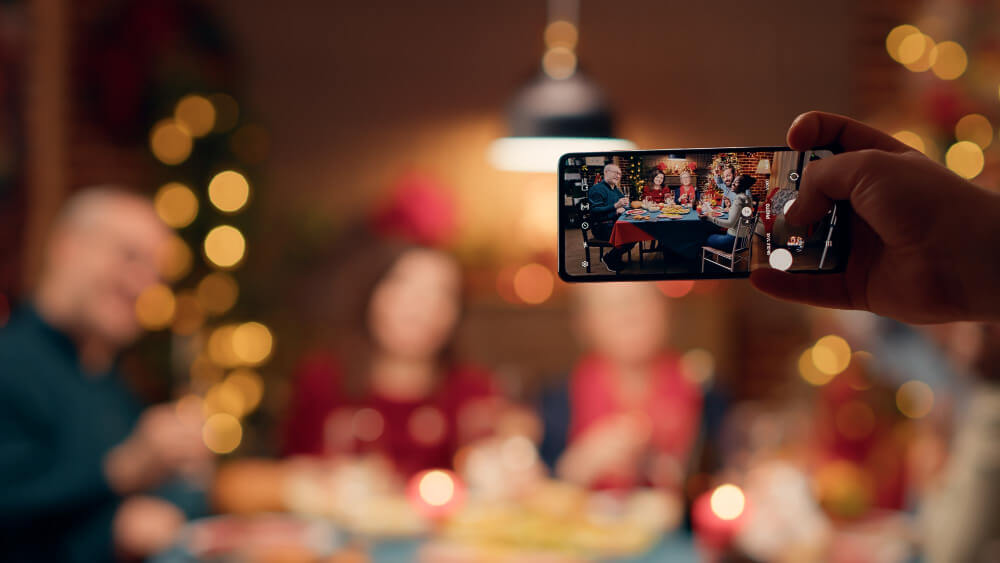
[(612, 446), (163, 443), (921, 236), (622, 202), (145, 526)]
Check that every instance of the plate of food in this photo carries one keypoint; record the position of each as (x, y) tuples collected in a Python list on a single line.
[(670, 216), (635, 211)]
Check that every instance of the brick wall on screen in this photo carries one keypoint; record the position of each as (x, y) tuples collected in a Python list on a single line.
[(748, 165)]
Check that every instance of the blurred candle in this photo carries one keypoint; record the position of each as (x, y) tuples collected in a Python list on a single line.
[(717, 516), (436, 493)]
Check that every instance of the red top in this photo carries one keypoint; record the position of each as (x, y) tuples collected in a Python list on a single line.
[(657, 195), (686, 190), (673, 407), (415, 435)]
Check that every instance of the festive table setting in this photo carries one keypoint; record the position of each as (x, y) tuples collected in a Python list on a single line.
[(677, 227)]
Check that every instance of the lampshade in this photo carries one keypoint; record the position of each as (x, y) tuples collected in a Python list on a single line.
[(551, 117), (764, 166)]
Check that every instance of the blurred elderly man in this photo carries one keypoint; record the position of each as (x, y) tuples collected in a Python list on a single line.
[(86, 473)]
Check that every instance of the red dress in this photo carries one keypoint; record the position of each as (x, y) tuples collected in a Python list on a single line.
[(414, 435), (673, 408)]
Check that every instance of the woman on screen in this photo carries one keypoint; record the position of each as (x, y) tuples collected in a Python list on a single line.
[(686, 193), (741, 199), (658, 190)]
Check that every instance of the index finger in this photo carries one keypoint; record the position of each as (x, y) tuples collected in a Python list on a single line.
[(818, 129)]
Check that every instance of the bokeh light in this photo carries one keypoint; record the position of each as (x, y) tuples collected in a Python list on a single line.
[(915, 399), (220, 347), (176, 204), (252, 343), (675, 289), (949, 60), (427, 425), (559, 63), (225, 246), (227, 112), (154, 308), (196, 114), (912, 139), (917, 52), (177, 259), (896, 37), (976, 128), (188, 314), (224, 398), (222, 433), (533, 283), (217, 292), (250, 386), (561, 33), (698, 365), (727, 502), (808, 371), (367, 424), (831, 354), (228, 191), (436, 487), (965, 158), (170, 142)]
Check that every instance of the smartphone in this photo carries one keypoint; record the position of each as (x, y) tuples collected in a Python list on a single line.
[(688, 214)]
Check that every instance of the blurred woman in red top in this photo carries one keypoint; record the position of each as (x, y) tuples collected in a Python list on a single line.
[(634, 414), (394, 391)]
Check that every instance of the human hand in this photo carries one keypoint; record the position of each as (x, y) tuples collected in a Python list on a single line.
[(162, 444), (909, 260), (610, 446), (622, 202), (144, 526)]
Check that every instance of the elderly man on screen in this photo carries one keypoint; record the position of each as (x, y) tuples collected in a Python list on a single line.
[(607, 202), (87, 474)]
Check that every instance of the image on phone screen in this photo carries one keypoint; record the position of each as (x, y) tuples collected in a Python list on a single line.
[(690, 214)]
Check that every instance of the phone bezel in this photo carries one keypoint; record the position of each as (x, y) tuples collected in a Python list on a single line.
[(588, 278)]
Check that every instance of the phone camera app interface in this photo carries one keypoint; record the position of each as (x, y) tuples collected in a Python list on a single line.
[(689, 214)]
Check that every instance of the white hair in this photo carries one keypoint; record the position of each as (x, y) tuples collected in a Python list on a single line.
[(85, 208), (611, 165)]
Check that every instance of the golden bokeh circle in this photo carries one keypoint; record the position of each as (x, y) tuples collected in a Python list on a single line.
[(196, 113), (170, 142), (225, 246), (228, 191), (176, 204)]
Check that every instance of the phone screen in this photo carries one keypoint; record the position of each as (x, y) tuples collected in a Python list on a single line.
[(690, 214)]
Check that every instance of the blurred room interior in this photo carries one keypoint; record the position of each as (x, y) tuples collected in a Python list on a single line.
[(287, 145)]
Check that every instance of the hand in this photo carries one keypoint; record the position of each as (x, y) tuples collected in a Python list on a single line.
[(909, 259), (621, 202), (609, 446), (162, 444), (144, 526), (621, 210)]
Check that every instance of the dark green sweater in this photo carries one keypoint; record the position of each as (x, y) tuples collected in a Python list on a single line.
[(57, 422)]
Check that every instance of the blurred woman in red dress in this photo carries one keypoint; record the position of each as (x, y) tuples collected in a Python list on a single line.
[(633, 414), (395, 391)]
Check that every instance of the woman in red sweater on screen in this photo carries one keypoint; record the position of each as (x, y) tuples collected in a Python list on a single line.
[(395, 392), (686, 192)]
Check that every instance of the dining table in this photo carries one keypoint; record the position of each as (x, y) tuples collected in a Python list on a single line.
[(683, 235)]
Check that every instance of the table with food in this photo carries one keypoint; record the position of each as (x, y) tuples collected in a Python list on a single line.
[(351, 511), (677, 227)]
